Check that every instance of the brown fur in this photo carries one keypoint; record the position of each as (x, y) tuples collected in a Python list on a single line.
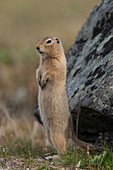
[(53, 102)]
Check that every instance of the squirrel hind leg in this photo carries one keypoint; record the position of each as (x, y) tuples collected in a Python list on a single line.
[(59, 141)]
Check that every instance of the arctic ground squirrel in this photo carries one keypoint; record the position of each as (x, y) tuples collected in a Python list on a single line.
[(52, 97)]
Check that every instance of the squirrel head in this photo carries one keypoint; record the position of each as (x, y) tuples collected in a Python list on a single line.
[(49, 47)]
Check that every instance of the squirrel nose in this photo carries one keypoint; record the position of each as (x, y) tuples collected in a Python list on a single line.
[(38, 48)]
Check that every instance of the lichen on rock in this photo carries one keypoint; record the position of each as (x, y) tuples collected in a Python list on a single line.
[(90, 61), (90, 70)]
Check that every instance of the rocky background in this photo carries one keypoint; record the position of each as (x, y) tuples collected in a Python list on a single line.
[(90, 62), (90, 76)]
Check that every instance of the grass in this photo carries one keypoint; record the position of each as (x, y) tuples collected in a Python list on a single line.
[(20, 154), (22, 146)]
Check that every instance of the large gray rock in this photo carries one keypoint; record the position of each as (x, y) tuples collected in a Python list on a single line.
[(90, 73)]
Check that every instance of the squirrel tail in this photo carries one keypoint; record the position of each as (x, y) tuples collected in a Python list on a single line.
[(81, 144), (84, 145)]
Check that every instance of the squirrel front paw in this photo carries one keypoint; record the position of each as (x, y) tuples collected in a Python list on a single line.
[(43, 82)]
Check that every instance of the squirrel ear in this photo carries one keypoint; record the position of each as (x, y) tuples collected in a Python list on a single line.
[(57, 40)]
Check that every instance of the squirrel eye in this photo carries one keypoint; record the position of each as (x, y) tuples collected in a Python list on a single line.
[(49, 41)]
